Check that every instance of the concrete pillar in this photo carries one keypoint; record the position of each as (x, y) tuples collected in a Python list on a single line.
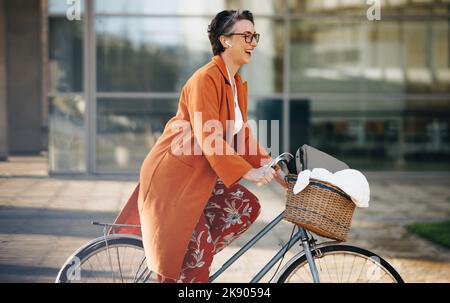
[(3, 108), (24, 75)]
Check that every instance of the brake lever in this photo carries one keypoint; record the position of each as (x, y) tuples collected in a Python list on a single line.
[(283, 157)]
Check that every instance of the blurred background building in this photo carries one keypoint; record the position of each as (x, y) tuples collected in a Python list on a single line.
[(94, 94)]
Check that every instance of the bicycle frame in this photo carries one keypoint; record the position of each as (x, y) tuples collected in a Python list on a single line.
[(300, 235), (308, 244)]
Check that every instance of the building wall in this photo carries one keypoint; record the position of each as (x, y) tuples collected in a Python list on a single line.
[(3, 109), (24, 75)]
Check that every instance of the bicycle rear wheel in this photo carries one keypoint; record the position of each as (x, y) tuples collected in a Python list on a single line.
[(124, 261), (342, 264)]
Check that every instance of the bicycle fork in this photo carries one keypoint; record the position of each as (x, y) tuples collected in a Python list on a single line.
[(309, 257)]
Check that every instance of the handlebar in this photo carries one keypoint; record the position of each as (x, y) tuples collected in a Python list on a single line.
[(286, 157)]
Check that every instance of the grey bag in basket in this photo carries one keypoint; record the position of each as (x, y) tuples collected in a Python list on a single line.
[(308, 157)]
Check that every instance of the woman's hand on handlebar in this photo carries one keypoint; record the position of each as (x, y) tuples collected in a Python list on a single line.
[(280, 174), (260, 176)]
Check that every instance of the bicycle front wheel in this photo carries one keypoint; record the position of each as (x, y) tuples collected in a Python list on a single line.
[(120, 259), (342, 264)]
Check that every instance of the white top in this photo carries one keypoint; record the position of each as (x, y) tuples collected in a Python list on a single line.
[(238, 121)]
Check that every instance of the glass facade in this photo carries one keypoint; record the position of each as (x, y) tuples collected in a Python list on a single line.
[(66, 98), (373, 93), (157, 54), (66, 134), (127, 129)]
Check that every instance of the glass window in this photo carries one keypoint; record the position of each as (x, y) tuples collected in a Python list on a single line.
[(417, 56), (65, 55), (326, 6), (269, 133), (364, 134), (381, 72), (61, 6), (183, 7), (127, 129), (299, 123), (264, 73), (377, 133), (426, 132), (361, 142), (326, 56), (66, 134), (149, 54), (351, 56), (440, 57), (358, 7), (426, 56), (160, 54)]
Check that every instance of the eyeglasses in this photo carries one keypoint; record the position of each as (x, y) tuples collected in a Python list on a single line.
[(248, 36)]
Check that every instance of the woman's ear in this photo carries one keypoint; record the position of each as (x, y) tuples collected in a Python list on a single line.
[(222, 40)]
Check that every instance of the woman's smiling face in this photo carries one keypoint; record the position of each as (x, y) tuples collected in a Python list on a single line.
[(241, 51)]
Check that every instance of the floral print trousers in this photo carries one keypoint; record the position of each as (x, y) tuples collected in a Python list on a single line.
[(228, 213)]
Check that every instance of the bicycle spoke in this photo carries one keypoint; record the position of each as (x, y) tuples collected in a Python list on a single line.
[(92, 271), (137, 278), (118, 264), (101, 266), (351, 270), (308, 273), (368, 273), (142, 274), (138, 270), (375, 272), (147, 276), (359, 275), (343, 266), (335, 264), (301, 276), (123, 264), (326, 266), (385, 274), (319, 267), (132, 267)]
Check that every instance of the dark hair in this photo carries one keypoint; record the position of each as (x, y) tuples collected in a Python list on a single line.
[(222, 24)]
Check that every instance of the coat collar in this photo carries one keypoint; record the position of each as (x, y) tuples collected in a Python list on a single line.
[(217, 59)]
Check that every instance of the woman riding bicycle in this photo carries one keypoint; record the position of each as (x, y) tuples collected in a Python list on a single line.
[(189, 203)]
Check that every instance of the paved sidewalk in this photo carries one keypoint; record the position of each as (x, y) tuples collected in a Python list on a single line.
[(43, 219)]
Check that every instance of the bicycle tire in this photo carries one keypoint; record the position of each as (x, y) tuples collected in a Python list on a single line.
[(333, 250), (74, 264)]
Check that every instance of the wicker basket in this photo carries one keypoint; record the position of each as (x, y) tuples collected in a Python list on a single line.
[(321, 208)]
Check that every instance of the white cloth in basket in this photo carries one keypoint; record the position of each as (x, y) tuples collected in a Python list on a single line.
[(350, 181)]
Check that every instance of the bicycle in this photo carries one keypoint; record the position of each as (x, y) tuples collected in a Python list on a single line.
[(120, 258)]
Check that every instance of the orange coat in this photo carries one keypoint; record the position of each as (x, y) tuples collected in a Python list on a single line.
[(174, 189)]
